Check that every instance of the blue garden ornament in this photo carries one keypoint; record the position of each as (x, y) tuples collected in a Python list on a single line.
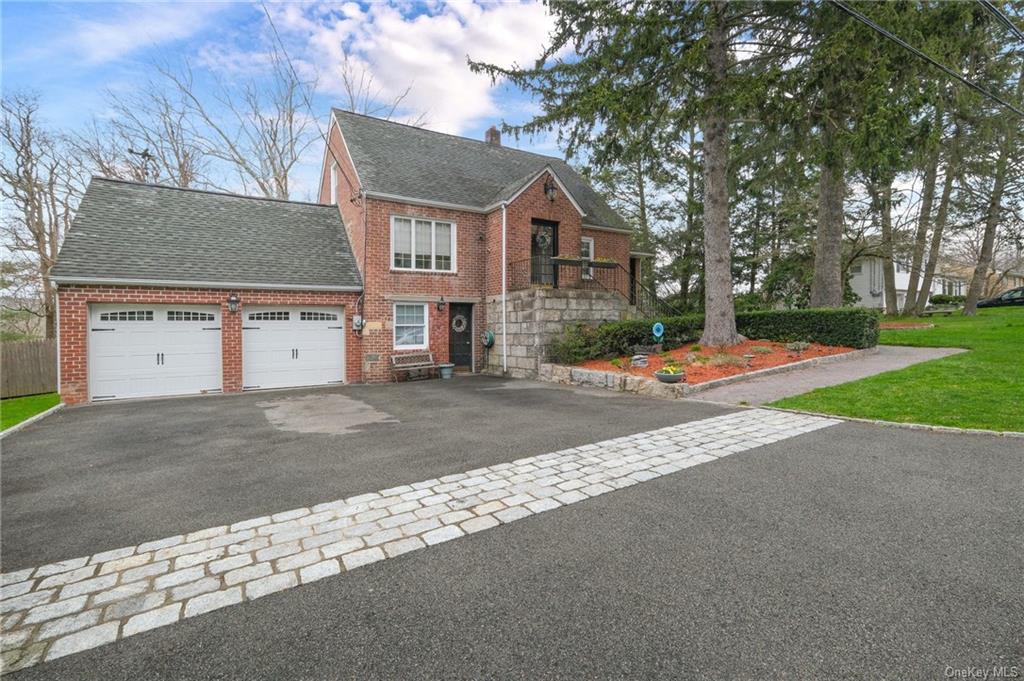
[(658, 330)]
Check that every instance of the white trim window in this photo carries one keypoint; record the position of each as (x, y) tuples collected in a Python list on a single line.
[(587, 254), (410, 327), (422, 245), (334, 183)]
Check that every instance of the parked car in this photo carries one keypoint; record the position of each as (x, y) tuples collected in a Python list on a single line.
[(1012, 297)]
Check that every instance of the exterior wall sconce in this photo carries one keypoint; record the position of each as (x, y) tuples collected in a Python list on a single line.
[(233, 301), (440, 304), (550, 189)]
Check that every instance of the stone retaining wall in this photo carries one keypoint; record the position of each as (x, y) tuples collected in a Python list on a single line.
[(536, 317)]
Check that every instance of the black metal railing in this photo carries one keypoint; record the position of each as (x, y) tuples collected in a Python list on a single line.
[(546, 272)]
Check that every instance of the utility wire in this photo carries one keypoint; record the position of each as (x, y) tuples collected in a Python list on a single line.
[(945, 69), (305, 97), (1002, 18)]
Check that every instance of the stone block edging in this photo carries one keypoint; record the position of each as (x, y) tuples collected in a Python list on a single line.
[(620, 381), (30, 420)]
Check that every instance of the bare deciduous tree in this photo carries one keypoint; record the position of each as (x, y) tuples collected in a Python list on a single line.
[(257, 129), (41, 186), (150, 137)]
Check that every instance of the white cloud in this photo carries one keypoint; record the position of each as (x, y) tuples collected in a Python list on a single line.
[(423, 53), (135, 26)]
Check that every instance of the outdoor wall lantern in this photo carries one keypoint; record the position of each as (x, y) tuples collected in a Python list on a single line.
[(550, 189), (440, 304), (233, 301)]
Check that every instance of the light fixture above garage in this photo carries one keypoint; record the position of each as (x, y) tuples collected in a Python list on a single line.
[(233, 301), (550, 189)]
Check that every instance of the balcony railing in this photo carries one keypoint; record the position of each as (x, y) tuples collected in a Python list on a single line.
[(545, 272)]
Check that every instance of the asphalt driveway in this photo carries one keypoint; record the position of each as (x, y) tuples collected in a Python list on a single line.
[(109, 475), (851, 552)]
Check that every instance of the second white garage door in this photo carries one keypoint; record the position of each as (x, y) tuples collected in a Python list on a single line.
[(292, 346)]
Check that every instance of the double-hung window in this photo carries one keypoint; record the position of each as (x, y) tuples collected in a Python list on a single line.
[(587, 254), (410, 326), (423, 245)]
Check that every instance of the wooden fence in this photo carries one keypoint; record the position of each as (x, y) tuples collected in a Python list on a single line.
[(28, 367)]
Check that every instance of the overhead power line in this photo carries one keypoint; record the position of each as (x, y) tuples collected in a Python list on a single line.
[(1002, 18), (907, 46)]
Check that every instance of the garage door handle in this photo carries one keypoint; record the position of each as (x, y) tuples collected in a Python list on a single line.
[(103, 329), (211, 328)]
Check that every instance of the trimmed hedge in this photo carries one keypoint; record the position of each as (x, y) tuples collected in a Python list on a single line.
[(943, 299), (851, 327)]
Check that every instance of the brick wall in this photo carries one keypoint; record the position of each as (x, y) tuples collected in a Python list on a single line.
[(349, 204), (615, 246), (74, 326)]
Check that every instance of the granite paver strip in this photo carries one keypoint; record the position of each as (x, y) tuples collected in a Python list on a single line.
[(94, 600)]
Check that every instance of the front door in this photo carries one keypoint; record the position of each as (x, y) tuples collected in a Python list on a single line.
[(460, 334), (543, 247)]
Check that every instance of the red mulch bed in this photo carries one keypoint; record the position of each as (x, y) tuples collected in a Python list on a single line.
[(702, 372)]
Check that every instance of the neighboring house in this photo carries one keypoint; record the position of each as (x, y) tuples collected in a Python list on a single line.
[(867, 281), (421, 242), (997, 282)]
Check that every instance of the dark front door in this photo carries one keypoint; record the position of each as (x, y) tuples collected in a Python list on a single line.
[(460, 334), (543, 247)]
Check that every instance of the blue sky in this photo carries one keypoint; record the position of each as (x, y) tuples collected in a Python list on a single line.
[(74, 53)]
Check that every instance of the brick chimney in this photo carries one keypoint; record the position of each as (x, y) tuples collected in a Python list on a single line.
[(492, 136)]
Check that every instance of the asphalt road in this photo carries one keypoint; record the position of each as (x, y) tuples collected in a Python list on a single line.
[(101, 477), (855, 551)]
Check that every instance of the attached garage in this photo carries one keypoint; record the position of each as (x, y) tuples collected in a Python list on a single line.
[(170, 291), (286, 346), (149, 350)]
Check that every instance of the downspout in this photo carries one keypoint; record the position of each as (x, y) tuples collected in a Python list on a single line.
[(56, 297), (504, 288)]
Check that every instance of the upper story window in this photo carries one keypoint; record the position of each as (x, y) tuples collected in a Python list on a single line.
[(334, 182), (855, 269), (424, 245)]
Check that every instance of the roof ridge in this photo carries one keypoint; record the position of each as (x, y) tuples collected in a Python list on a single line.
[(448, 134), (196, 190)]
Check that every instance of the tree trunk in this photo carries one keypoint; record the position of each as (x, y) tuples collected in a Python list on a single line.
[(884, 205), (992, 215), (719, 313), (923, 220), (995, 204), (827, 285), (941, 216)]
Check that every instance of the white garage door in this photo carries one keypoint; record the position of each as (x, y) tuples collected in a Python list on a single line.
[(149, 350), (292, 346)]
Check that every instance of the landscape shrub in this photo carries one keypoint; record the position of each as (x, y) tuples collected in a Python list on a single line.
[(851, 327), (943, 299)]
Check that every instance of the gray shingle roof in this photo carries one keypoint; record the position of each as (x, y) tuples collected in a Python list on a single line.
[(130, 231), (392, 158)]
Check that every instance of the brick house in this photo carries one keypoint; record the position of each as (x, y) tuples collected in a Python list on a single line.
[(420, 242)]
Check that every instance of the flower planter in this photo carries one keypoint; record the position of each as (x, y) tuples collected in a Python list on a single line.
[(447, 370), (669, 378), (602, 264)]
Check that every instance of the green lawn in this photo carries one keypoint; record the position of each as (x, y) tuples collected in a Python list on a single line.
[(16, 409), (983, 388)]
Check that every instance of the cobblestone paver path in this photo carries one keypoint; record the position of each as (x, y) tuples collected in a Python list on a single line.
[(65, 607)]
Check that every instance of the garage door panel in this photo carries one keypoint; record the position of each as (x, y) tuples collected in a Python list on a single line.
[(292, 346), (146, 351)]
